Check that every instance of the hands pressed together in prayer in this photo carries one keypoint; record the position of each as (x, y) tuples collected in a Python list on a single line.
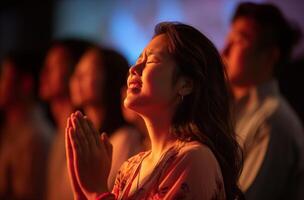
[(89, 157)]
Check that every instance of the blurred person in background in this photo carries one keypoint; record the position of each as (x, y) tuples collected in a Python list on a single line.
[(25, 132), (60, 61), (95, 88), (259, 43)]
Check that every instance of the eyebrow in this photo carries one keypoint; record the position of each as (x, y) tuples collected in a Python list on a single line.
[(150, 52), (156, 53)]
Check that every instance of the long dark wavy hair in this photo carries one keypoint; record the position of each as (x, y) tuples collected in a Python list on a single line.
[(205, 114)]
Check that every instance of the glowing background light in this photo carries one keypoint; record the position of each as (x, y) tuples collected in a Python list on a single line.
[(127, 25)]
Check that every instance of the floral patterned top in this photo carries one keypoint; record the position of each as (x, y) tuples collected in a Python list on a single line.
[(188, 170)]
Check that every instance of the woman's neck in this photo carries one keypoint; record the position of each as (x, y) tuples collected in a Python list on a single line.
[(61, 109), (96, 114), (160, 136)]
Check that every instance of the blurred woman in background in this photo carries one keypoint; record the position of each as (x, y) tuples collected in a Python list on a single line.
[(59, 64), (25, 132), (95, 88)]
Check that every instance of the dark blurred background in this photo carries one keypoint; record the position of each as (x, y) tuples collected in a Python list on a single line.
[(128, 26)]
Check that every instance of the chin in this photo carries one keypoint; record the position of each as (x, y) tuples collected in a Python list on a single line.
[(127, 103), (133, 103)]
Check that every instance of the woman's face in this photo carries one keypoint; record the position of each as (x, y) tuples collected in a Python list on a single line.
[(87, 81), (150, 81), (55, 73)]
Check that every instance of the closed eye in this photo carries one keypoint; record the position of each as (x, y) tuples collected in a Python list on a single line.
[(151, 62), (152, 59)]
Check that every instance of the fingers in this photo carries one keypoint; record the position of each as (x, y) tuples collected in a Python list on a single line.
[(94, 131), (90, 132), (70, 161), (87, 132), (79, 129), (77, 155), (81, 139), (68, 147), (72, 137)]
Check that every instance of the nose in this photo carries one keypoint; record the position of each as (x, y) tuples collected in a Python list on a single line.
[(136, 69)]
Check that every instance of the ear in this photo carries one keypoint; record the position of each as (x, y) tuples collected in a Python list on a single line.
[(185, 86)]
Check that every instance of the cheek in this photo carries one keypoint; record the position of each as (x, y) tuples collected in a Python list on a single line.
[(62, 85), (75, 92), (57, 80), (53, 76), (236, 62), (91, 88), (156, 91), (160, 85)]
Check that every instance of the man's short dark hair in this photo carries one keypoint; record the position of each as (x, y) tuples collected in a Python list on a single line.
[(275, 29)]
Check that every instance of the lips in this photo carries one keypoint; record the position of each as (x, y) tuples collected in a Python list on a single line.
[(134, 83)]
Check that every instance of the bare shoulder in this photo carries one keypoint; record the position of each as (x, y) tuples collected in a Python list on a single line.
[(199, 157), (198, 170), (199, 151)]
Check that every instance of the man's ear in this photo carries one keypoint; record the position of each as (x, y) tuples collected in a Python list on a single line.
[(185, 86)]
